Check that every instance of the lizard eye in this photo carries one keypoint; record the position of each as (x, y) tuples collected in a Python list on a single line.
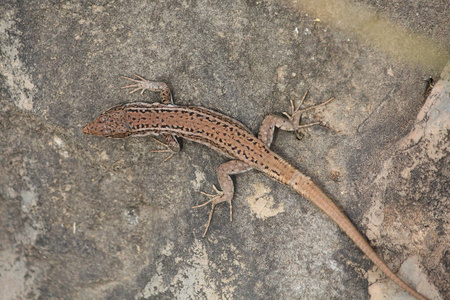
[(102, 119)]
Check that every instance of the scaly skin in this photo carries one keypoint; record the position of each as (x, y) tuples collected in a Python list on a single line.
[(232, 139)]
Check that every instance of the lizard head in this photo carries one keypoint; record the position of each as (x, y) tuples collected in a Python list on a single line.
[(110, 124)]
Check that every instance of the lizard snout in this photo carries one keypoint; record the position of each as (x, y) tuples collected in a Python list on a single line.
[(109, 124)]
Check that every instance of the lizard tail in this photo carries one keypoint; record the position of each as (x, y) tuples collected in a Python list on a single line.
[(308, 189)]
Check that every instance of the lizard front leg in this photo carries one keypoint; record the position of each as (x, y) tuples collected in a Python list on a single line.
[(224, 171), (142, 84)]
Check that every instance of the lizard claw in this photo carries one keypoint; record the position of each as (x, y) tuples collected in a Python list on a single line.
[(296, 113), (167, 150), (140, 84), (218, 194), (214, 200)]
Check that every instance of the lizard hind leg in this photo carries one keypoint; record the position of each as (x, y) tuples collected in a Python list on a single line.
[(296, 113), (290, 122), (224, 171)]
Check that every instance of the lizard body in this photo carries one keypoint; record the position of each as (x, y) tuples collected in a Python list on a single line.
[(232, 139)]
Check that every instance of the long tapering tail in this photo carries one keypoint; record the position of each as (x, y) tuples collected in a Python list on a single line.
[(308, 189)]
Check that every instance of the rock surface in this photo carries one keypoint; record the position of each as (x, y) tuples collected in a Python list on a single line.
[(83, 217)]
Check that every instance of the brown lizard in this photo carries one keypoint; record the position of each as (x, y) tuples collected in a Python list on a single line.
[(232, 139)]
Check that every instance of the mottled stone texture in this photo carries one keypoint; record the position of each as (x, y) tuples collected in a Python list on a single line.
[(84, 217)]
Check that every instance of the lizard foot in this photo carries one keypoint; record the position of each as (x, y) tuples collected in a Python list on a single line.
[(141, 84), (214, 200), (167, 150), (296, 114)]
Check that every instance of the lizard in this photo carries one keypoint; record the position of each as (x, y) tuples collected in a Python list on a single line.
[(232, 139)]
